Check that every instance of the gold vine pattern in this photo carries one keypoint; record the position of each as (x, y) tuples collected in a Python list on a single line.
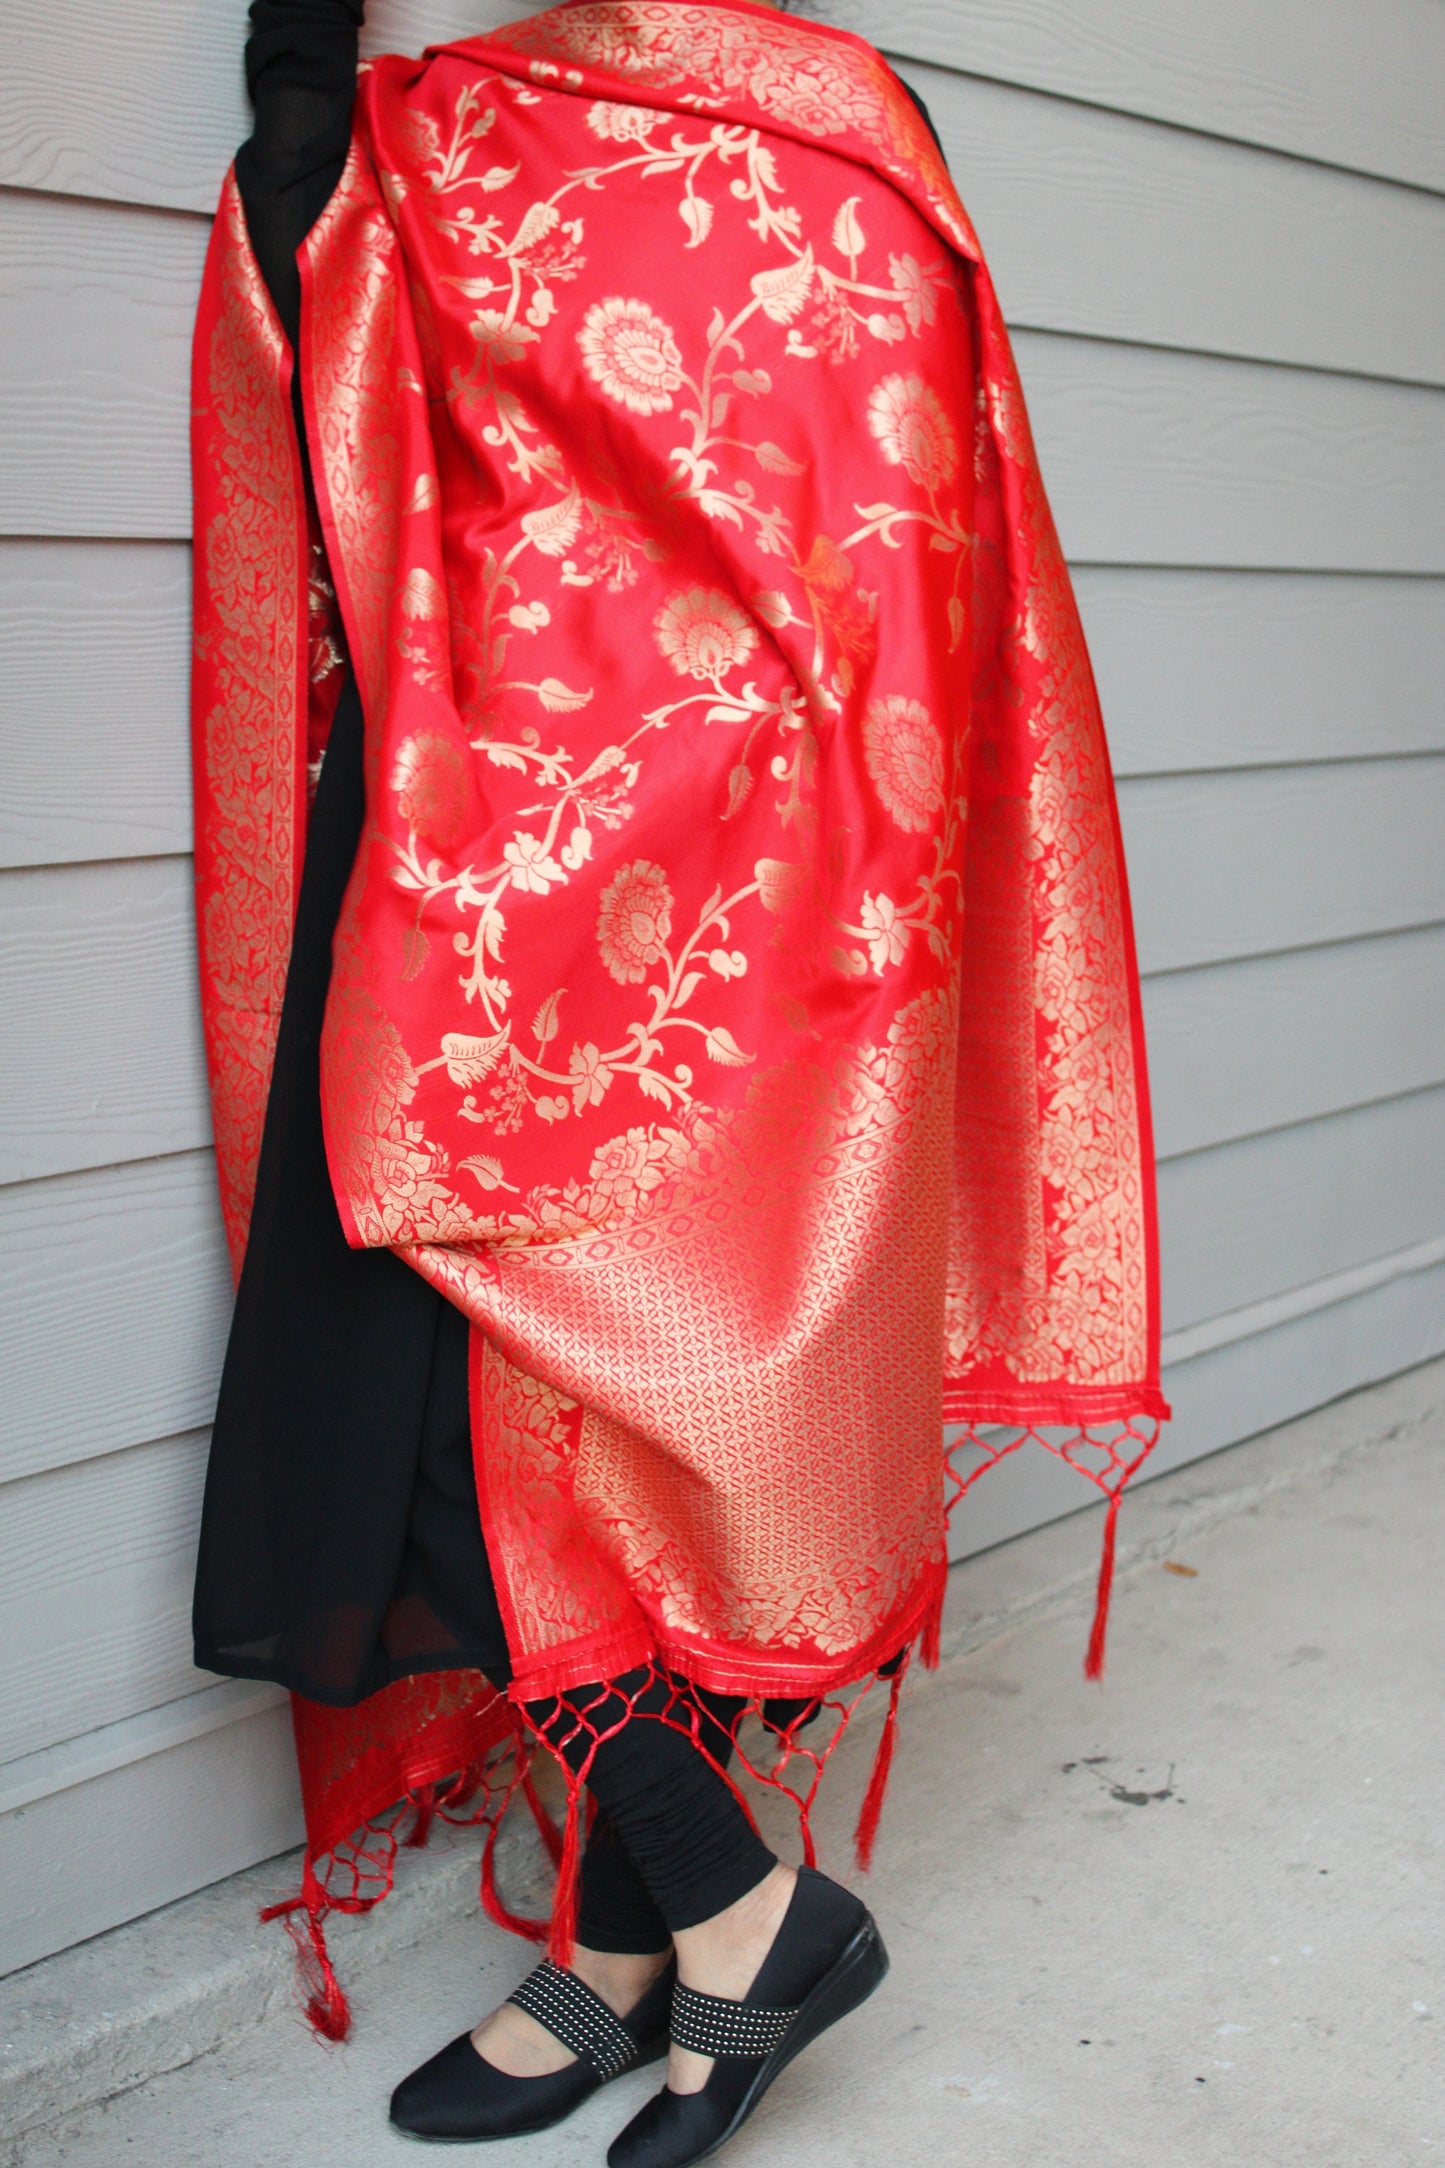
[(825, 310)]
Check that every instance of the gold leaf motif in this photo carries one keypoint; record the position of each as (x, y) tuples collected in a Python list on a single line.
[(784, 292), (415, 948), (421, 596), (722, 1046), (469, 1059), (696, 214), (560, 698), (776, 460), (487, 1170), (848, 236), (553, 529), (740, 784), (773, 608)]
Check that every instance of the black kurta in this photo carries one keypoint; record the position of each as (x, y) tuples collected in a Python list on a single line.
[(341, 1545)]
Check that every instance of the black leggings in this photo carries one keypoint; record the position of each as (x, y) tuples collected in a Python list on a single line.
[(670, 1844)]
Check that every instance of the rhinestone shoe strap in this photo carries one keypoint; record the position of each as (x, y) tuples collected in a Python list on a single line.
[(711, 2025), (581, 2020)]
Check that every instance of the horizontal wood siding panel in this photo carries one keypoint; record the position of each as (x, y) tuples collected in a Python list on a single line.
[(101, 1058), (1152, 457), (1245, 1221), (1201, 670), (177, 1821), (96, 1570), (1197, 670), (1322, 79), (115, 1299), (1122, 229), (1237, 1391), (1261, 859), (154, 117), (94, 654), (1238, 1048), (1160, 458), (95, 367)]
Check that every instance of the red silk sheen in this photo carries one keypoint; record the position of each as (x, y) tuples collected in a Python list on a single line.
[(734, 1007)]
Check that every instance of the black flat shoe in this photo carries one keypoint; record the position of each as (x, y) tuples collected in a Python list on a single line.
[(826, 1958), (459, 2098)]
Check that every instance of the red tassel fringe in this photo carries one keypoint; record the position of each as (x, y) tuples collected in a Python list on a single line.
[(563, 1937), (871, 1810), (493, 1904), (424, 1804), (931, 1641), (322, 1996), (1094, 1661)]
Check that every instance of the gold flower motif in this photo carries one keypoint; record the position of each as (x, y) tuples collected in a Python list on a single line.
[(915, 289), (624, 1170), (631, 353), (887, 932), (530, 864), (620, 123), (429, 777), (504, 342), (907, 417), (590, 1076), (903, 749), (634, 921), (703, 633)]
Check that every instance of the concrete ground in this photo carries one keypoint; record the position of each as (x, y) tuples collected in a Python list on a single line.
[(1191, 1917)]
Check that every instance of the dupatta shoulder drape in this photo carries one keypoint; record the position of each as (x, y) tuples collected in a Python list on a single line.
[(734, 1008)]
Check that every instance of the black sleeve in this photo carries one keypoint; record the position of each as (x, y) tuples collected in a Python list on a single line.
[(301, 73)]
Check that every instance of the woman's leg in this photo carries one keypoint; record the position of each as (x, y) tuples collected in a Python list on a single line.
[(671, 1853)]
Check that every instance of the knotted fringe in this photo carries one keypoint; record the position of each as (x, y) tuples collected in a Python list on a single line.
[(493, 1903), (371, 1857), (323, 1998), (931, 1639), (1094, 1661), (1110, 1454), (872, 1807), (424, 1803)]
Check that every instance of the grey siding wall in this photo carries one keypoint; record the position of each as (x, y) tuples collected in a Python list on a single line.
[(1219, 238)]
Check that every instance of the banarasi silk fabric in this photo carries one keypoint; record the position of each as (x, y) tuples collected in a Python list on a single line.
[(733, 1006)]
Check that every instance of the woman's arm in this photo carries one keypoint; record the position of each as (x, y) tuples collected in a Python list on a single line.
[(301, 73)]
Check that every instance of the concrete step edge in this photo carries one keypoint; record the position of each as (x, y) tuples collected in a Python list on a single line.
[(93, 2021)]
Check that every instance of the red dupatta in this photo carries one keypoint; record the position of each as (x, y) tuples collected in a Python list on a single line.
[(734, 1007)]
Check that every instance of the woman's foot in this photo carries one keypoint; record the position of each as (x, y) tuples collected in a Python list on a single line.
[(823, 1958), (723, 1957), (546, 2051), (514, 2042)]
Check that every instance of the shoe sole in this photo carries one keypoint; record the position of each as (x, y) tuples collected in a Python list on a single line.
[(529, 2130), (861, 1969)]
